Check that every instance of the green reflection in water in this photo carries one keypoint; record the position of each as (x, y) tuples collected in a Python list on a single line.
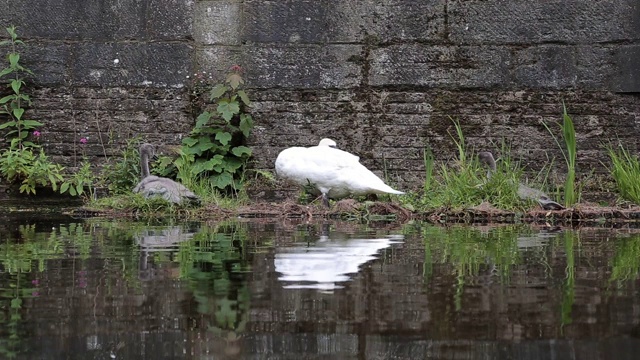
[(625, 264), (214, 262), (571, 240), (20, 253)]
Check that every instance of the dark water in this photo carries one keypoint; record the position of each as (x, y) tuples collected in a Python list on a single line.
[(96, 289)]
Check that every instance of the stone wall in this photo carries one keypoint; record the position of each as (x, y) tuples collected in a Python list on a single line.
[(105, 70), (382, 77)]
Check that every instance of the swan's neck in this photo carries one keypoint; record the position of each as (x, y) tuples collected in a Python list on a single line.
[(144, 164)]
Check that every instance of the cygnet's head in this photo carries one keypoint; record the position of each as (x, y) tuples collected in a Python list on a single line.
[(486, 158), (148, 150), (328, 142)]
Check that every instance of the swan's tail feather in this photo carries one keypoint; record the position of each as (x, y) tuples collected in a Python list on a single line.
[(388, 189)]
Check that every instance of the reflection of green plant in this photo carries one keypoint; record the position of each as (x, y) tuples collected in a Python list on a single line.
[(625, 264), (213, 261), (570, 239)]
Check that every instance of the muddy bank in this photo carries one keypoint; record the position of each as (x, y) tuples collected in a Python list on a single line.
[(349, 209)]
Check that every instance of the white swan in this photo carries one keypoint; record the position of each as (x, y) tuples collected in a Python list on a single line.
[(524, 192), (152, 185), (335, 173)]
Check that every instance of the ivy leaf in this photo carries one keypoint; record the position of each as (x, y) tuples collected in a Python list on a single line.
[(8, 124), (203, 145), (244, 97), (15, 85), (231, 164), (234, 80), (227, 109), (224, 137), (241, 150), (6, 99), (222, 180), (6, 71), (217, 91), (31, 123), (246, 124), (189, 141), (13, 59), (203, 119)]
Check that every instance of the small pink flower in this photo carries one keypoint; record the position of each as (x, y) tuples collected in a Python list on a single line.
[(35, 282), (83, 140), (36, 133), (236, 68)]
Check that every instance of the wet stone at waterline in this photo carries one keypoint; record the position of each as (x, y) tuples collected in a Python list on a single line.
[(256, 289)]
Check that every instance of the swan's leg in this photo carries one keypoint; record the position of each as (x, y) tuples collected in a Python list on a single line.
[(325, 199)]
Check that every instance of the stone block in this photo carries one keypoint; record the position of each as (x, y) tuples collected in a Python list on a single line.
[(627, 76), (100, 19), (135, 64), (303, 67), (217, 60), (527, 22), (286, 21), (342, 21), (50, 63), (404, 20), (218, 22), (442, 66), (545, 67)]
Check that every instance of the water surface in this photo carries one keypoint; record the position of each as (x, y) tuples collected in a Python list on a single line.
[(97, 289)]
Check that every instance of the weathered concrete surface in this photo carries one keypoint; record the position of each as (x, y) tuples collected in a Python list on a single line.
[(382, 77)]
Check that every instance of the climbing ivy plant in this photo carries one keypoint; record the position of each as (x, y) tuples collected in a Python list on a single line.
[(215, 149)]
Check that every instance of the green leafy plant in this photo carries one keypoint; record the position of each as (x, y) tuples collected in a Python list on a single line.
[(571, 193), (29, 168), (121, 176), (13, 105), (79, 181), (24, 161), (215, 149)]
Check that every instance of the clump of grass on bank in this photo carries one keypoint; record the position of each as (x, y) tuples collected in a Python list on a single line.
[(625, 170), (467, 184)]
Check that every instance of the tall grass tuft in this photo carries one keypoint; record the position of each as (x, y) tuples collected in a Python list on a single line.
[(466, 184), (625, 170), (429, 163), (571, 193)]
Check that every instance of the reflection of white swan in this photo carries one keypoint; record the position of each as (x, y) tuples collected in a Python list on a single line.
[(524, 192), (335, 173), (323, 264), (152, 185)]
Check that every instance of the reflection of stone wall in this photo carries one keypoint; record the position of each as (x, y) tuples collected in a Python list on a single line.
[(382, 77), (399, 307)]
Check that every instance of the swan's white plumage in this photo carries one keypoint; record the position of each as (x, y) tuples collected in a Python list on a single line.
[(334, 172)]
